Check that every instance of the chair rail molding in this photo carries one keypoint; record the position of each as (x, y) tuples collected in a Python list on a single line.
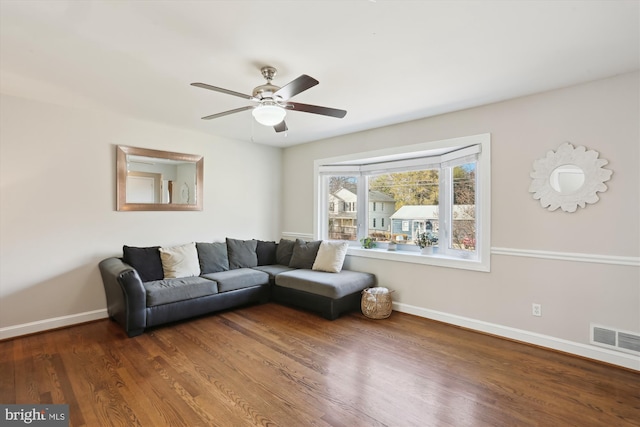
[(293, 235), (568, 256)]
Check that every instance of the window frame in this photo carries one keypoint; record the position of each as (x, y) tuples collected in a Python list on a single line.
[(446, 154)]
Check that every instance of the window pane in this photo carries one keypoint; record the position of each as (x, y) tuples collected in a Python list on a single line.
[(463, 233), (406, 204), (343, 207)]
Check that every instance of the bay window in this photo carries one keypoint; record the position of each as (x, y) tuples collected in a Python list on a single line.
[(439, 188)]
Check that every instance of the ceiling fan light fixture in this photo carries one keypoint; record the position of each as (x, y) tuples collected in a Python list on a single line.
[(269, 114)]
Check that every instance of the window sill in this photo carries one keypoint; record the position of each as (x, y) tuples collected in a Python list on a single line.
[(415, 257)]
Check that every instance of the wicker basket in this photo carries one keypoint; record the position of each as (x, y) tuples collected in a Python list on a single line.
[(376, 303)]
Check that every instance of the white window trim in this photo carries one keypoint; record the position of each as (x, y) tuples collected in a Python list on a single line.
[(410, 156)]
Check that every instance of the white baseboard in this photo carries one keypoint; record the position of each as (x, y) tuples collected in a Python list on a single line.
[(628, 361), (47, 324)]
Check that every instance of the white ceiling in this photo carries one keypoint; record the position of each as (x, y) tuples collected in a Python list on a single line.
[(383, 61)]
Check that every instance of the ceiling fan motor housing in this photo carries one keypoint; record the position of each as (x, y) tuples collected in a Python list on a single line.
[(265, 91)]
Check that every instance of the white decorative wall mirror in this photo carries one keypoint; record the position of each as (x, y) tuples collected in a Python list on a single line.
[(568, 177)]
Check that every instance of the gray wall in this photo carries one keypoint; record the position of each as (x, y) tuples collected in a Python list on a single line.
[(603, 116)]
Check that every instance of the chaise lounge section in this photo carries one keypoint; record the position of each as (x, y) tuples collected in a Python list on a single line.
[(331, 294), (152, 286)]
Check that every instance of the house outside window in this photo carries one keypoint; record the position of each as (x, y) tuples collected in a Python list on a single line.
[(440, 187), (342, 223)]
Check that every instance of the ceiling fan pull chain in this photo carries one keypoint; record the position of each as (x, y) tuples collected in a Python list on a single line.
[(252, 129)]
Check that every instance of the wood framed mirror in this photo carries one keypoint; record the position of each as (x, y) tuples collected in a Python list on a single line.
[(154, 180)]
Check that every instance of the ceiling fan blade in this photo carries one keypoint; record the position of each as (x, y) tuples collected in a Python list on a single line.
[(281, 127), (226, 113), (219, 89), (315, 109), (296, 86)]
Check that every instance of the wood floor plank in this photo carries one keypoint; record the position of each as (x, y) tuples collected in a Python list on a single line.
[(7, 372), (249, 373), (270, 365), (215, 379), (26, 389), (153, 397)]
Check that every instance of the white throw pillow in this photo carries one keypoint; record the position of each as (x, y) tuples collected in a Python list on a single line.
[(330, 256), (180, 261)]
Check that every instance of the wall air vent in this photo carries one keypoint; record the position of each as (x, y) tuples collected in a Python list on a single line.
[(629, 341), (604, 336)]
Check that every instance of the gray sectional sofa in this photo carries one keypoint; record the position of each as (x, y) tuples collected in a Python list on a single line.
[(151, 286)]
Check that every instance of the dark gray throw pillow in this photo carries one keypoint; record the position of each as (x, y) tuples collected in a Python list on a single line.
[(266, 252), (284, 251), (213, 257), (304, 253), (242, 253), (146, 261)]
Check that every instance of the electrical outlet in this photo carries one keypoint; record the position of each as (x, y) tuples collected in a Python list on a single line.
[(536, 309)]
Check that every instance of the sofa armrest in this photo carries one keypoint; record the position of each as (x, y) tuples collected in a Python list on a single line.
[(126, 296)]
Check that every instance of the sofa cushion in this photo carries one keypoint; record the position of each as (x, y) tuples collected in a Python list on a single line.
[(304, 254), (242, 253), (146, 261), (284, 251), (273, 270), (213, 257), (331, 285), (180, 261), (238, 278), (173, 290), (330, 257), (266, 252)]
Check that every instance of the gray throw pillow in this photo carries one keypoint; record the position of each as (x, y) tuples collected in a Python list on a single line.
[(304, 253), (242, 253), (213, 257), (284, 251), (146, 261), (266, 252)]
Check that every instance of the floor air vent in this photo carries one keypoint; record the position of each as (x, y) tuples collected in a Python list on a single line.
[(614, 339)]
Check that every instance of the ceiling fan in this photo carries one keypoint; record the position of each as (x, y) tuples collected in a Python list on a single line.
[(273, 101)]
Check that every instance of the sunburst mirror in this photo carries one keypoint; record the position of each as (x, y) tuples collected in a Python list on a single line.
[(569, 177)]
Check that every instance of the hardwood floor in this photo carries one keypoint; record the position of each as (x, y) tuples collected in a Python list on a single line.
[(271, 365)]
